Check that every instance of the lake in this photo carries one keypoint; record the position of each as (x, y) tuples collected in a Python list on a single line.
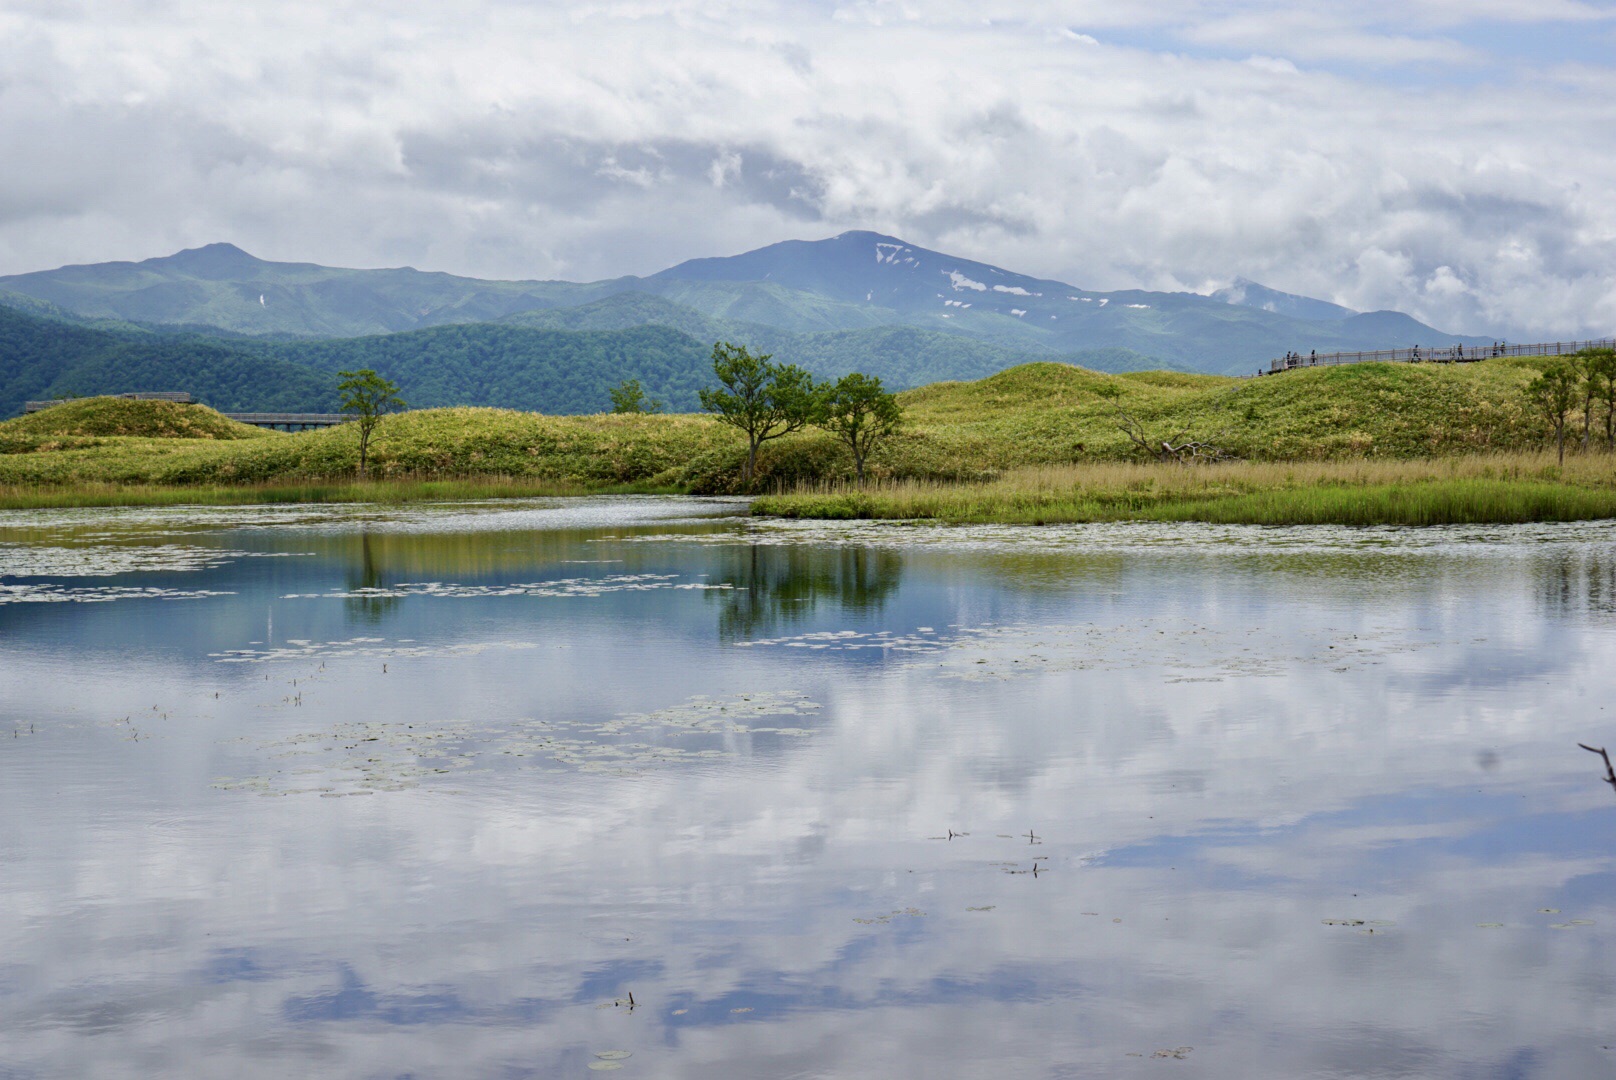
[(640, 785)]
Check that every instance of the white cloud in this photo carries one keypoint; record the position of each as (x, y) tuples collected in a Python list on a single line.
[(514, 139)]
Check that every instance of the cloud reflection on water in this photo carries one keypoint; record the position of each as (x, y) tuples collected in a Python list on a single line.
[(483, 928)]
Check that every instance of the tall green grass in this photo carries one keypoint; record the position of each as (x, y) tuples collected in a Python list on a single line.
[(386, 492), (1479, 489)]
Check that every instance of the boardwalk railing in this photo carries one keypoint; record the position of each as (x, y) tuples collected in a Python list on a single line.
[(283, 420), (290, 420), (1444, 354)]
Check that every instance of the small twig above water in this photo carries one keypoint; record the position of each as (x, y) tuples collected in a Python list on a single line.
[(1610, 773)]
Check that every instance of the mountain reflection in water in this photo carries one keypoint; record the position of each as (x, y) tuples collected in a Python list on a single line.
[(431, 791)]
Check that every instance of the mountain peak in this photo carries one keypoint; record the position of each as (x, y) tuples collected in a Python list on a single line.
[(221, 261), (1247, 293)]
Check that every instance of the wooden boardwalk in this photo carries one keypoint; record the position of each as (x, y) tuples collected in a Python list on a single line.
[(284, 421), (1446, 354), (290, 421)]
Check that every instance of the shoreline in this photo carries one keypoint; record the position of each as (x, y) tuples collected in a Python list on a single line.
[(1474, 490), (383, 492)]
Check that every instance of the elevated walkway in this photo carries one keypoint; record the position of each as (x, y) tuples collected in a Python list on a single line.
[(290, 421), (283, 421), (1446, 354)]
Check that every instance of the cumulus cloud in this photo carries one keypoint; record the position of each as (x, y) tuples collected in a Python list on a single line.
[(1371, 156)]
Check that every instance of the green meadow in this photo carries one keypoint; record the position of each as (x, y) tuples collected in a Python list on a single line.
[(1365, 444)]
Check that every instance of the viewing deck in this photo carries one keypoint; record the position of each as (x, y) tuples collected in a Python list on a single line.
[(1446, 354)]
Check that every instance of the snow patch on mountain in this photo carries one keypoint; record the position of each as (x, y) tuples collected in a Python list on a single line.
[(962, 282), (888, 253)]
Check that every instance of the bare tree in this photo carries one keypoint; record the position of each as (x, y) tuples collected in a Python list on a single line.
[(1177, 447)]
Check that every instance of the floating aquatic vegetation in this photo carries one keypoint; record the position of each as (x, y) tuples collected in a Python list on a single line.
[(1371, 923), (303, 649), (57, 594), (363, 757), (1179, 1052), (895, 913), (561, 587), (991, 651), (1129, 538), (703, 713), (109, 560)]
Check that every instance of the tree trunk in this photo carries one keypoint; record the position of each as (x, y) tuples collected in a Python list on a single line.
[(1559, 438), (751, 463)]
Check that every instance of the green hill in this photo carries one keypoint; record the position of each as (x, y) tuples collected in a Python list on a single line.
[(109, 416), (1035, 415)]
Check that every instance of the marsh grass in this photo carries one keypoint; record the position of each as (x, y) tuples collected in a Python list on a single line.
[(1476, 489), (395, 491)]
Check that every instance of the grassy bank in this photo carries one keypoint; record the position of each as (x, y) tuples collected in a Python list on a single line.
[(1477, 489), (383, 492), (967, 451)]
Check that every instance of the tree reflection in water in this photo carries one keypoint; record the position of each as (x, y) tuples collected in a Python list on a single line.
[(773, 586), (368, 574)]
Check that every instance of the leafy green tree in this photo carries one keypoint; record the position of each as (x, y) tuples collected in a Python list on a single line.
[(1554, 394), (366, 395), (1600, 371), (860, 413), (628, 396), (762, 399)]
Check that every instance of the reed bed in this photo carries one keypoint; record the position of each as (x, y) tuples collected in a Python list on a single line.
[(391, 491), (1475, 489)]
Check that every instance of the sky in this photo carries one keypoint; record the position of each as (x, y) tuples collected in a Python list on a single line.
[(1453, 159)]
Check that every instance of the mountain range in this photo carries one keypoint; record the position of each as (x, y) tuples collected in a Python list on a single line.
[(857, 301)]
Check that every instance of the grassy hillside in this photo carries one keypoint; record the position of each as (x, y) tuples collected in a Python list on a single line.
[(1036, 415), (109, 416)]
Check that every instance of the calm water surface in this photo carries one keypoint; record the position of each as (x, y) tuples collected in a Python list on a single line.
[(343, 792)]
